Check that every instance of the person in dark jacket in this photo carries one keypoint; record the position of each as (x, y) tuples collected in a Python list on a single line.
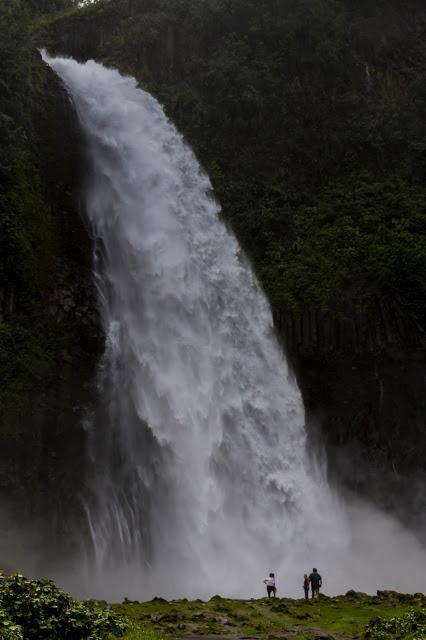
[(316, 583), (306, 584)]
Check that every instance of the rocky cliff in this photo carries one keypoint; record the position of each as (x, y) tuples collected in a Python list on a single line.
[(306, 116), (50, 335), (363, 382)]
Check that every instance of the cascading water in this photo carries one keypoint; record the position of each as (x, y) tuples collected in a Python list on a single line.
[(198, 472)]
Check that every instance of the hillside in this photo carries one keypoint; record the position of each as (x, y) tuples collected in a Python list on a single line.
[(50, 338), (308, 117), (355, 615), (35, 609)]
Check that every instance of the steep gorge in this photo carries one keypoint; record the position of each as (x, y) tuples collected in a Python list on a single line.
[(199, 427), (50, 335), (307, 117)]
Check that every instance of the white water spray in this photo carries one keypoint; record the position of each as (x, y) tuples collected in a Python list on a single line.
[(200, 481)]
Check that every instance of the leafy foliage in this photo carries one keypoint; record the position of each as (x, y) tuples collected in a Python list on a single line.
[(337, 617), (370, 232), (46, 303), (37, 610), (8, 629), (23, 208), (307, 115), (409, 626), (50, 6)]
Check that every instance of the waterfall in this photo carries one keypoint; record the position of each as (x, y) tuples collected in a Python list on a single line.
[(198, 475)]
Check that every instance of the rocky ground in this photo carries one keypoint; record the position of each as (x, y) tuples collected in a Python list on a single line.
[(338, 618)]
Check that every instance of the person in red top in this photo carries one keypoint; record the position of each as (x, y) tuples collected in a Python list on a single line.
[(306, 583)]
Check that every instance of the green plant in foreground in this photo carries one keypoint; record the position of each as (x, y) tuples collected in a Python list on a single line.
[(38, 610), (8, 629), (409, 626), (136, 632)]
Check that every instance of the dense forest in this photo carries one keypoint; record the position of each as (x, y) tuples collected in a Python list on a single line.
[(49, 334), (308, 116)]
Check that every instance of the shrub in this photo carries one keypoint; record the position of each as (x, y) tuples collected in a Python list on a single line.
[(8, 629), (409, 626), (38, 609)]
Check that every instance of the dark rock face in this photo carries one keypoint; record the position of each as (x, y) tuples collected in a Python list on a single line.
[(42, 439), (362, 371), (363, 382)]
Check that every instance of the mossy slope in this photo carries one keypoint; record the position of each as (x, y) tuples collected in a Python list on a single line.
[(308, 116), (342, 617), (50, 337)]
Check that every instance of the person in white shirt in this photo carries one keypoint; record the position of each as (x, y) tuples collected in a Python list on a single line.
[(270, 585)]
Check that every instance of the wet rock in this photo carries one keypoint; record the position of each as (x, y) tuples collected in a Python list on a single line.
[(170, 618), (394, 596), (159, 600), (319, 634), (302, 616), (157, 619), (280, 607), (357, 377)]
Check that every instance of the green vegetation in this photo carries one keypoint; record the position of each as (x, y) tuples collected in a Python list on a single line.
[(140, 631), (350, 616), (409, 626), (308, 116), (46, 325), (38, 610), (8, 629)]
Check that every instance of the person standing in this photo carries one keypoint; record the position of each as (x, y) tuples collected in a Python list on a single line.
[(316, 582), (306, 583), (270, 585)]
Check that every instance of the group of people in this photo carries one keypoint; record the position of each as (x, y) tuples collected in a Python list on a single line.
[(314, 581)]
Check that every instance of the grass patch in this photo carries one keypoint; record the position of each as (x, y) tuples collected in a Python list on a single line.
[(342, 617), (142, 632)]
